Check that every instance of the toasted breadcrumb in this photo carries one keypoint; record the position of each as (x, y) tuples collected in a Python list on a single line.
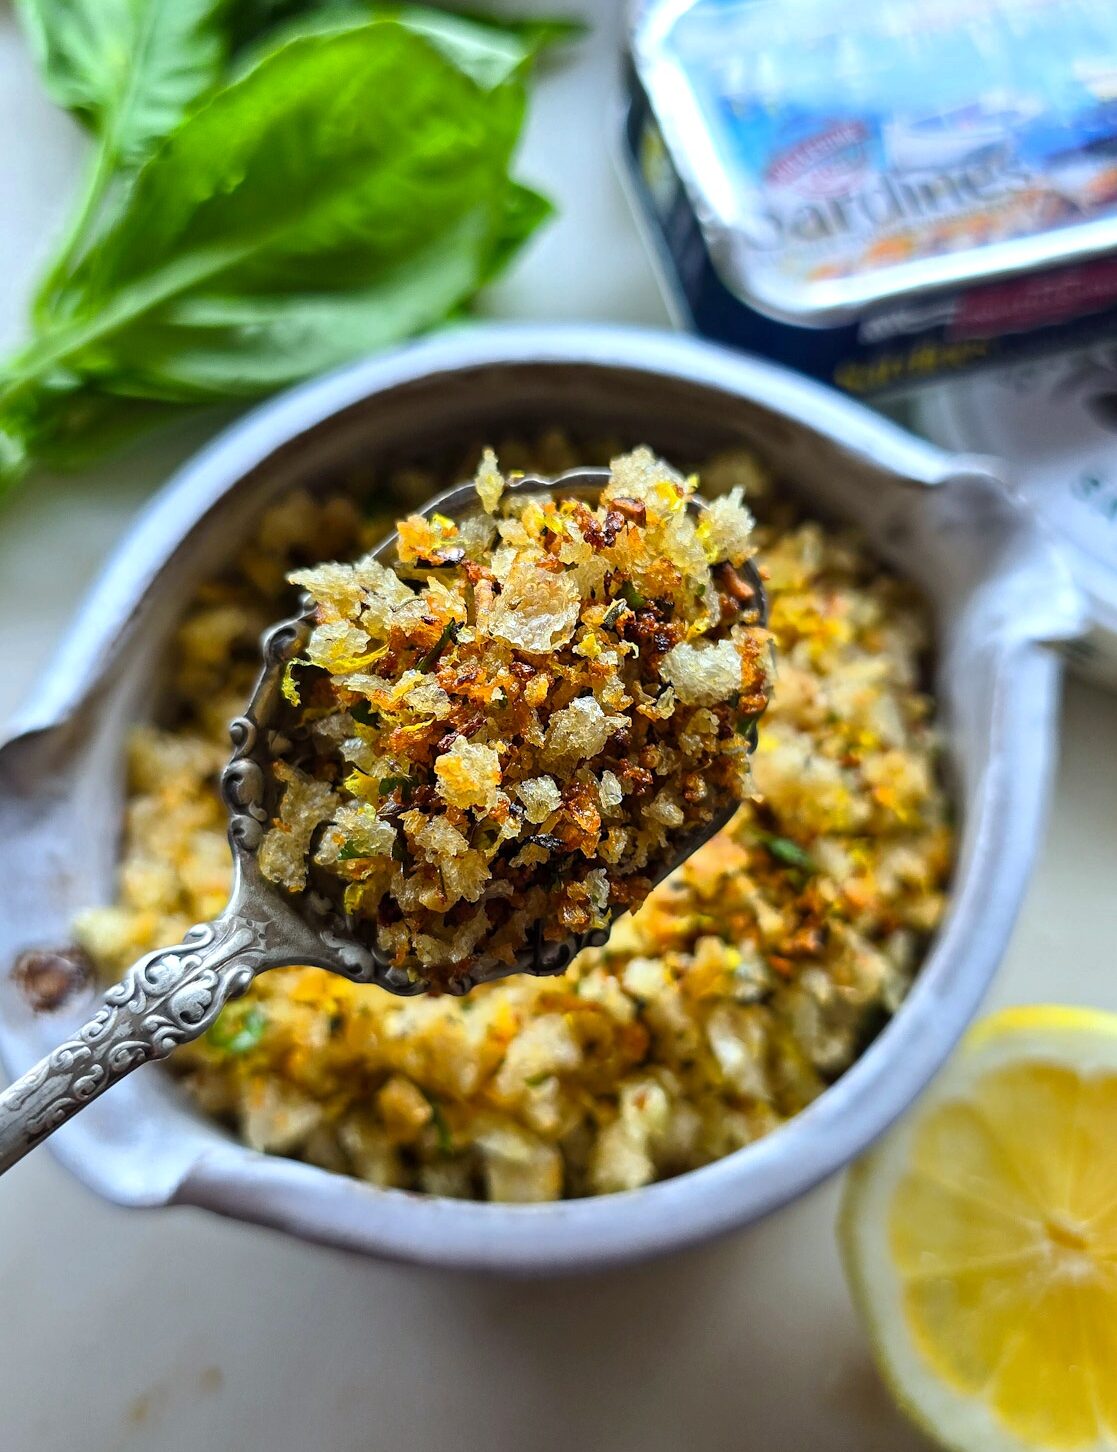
[(477, 711)]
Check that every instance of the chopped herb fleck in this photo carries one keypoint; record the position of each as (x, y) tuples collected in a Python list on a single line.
[(238, 1038), (449, 633), (632, 595), (441, 1128), (783, 849)]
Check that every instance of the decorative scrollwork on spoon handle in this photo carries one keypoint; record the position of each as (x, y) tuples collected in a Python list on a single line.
[(166, 999)]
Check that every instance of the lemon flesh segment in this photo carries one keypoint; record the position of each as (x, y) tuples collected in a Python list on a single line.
[(980, 1238)]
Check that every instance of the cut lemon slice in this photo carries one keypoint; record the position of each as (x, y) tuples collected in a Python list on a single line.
[(980, 1239)]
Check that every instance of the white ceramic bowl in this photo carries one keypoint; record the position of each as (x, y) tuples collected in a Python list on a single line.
[(999, 591)]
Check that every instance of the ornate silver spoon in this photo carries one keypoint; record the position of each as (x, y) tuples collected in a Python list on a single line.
[(175, 994)]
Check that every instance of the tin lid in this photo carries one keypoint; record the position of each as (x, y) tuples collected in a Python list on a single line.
[(839, 155), (1054, 421)]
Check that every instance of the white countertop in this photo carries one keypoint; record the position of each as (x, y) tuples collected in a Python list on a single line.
[(169, 1330)]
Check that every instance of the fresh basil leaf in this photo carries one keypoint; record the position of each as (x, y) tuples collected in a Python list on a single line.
[(349, 190), (487, 47), (17, 457), (523, 212), (66, 426), (213, 347), (249, 19), (128, 68), (485, 53), (322, 175)]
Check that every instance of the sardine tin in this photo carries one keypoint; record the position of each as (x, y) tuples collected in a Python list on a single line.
[(880, 194)]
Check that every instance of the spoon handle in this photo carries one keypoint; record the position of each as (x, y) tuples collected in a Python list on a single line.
[(166, 999)]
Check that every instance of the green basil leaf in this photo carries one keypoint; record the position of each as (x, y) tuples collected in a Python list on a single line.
[(487, 47), (64, 426), (130, 69), (249, 19), (523, 212), (210, 347), (17, 456), (325, 171), (347, 191)]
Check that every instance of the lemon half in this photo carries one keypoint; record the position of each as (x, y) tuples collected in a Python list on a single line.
[(980, 1239)]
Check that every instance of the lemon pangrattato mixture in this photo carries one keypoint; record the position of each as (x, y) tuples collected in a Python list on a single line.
[(745, 984)]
